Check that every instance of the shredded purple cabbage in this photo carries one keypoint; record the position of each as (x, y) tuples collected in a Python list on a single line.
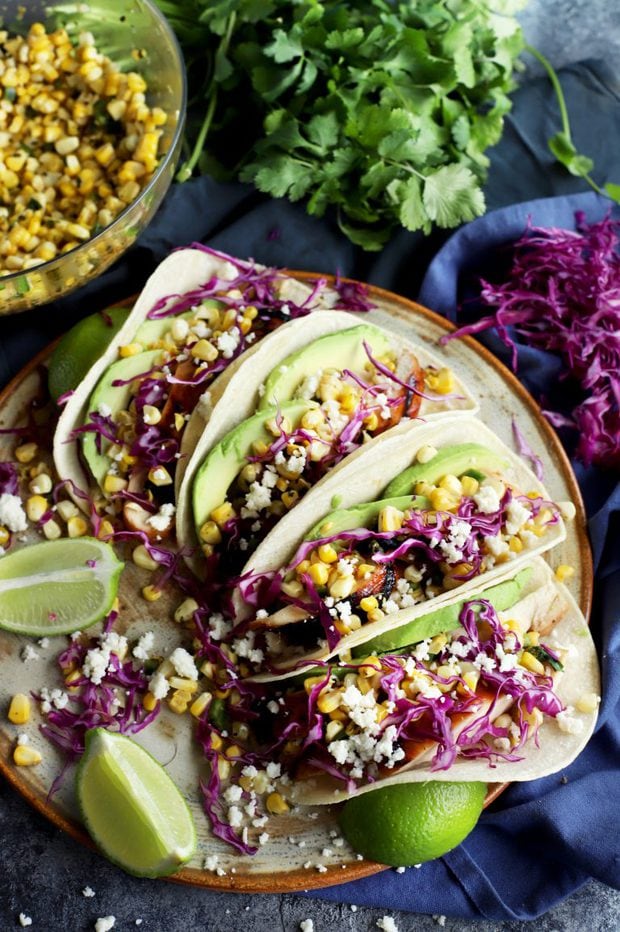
[(563, 295), (9, 482), (525, 450)]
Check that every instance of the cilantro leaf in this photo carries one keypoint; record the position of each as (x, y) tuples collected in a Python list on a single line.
[(451, 196)]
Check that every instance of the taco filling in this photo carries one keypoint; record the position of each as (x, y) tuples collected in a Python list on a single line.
[(381, 560), (271, 460), (137, 413)]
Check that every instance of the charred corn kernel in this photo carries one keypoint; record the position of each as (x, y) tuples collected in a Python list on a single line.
[(129, 349), (515, 545), (41, 484), (564, 572), (210, 533), (327, 553), (451, 484), (471, 679), (151, 415), (390, 518), (25, 756), (142, 558), (19, 709), (469, 485), (332, 730), (178, 702), (531, 639), (371, 422), (149, 702), (530, 662), (208, 550), (36, 506), (375, 615), (276, 804), (441, 382), (106, 530), (77, 526), (4, 536), (52, 530), (217, 742), (290, 498), (204, 351), (159, 476), (151, 594), (200, 705), (319, 573), (329, 701), (223, 766), (342, 587), (233, 751), (369, 603), (293, 588), (112, 484), (365, 570), (442, 500), (185, 612), (26, 452), (426, 453), (587, 703), (223, 513)]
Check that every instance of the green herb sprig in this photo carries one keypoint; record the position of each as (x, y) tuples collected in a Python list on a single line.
[(383, 110)]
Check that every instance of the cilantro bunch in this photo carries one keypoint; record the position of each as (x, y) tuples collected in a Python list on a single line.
[(382, 110)]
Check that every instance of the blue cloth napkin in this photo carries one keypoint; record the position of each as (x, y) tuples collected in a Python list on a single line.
[(541, 840)]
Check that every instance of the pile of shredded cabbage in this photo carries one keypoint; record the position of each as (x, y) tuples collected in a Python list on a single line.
[(563, 295)]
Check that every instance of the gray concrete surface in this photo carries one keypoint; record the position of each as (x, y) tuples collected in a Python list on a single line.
[(43, 872)]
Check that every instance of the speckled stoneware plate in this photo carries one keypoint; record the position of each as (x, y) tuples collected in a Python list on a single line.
[(303, 852)]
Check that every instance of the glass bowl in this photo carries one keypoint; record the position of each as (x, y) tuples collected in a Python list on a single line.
[(135, 35)]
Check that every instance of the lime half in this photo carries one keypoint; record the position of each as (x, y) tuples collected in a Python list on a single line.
[(132, 808), (410, 823), (58, 586), (80, 347)]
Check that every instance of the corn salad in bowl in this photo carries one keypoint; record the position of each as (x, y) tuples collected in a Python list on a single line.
[(90, 133)]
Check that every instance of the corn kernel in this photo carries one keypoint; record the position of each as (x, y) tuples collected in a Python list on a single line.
[(217, 742), (151, 415), (368, 603), (471, 679), (66, 509), (567, 510), (426, 453), (129, 349), (41, 484), (441, 500), (151, 594), (587, 703), (185, 612), (332, 730), (342, 587), (328, 701), (451, 484), (276, 804), (564, 571), (106, 530), (36, 506), (441, 382), (375, 615), (371, 422), (515, 545), (149, 702), (319, 573), (327, 553), (142, 558), (19, 709), (223, 767), (532, 663), (390, 518), (292, 588), (204, 351), (4, 536), (223, 513), (77, 526), (200, 704), (25, 756), (112, 484), (159, 476), (26, 452), (52, 530)]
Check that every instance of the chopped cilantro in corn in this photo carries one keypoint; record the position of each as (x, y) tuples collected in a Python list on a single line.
[(77, 144)]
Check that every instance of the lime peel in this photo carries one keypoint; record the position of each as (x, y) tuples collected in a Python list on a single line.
[(57, 587), (132, 808)]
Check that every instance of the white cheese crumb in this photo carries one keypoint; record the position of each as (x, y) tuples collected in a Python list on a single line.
[(88, 892), (144, 646), (487, 500), (24, 920), (211, 862), (183, 663), (387, 924), (29, 653), (163, 519), (103, 409), (105, 924), (401, 870), (159, 685), (12, 514), (306, 925)]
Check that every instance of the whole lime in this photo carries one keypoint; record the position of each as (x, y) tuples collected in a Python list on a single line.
[(80, 347), (410, 823)]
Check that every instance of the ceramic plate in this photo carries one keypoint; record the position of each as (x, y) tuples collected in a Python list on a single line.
[(296, 857)]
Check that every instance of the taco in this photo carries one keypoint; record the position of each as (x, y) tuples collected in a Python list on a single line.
[(199, 313), (315, 392), (492, 696), (355, 561)]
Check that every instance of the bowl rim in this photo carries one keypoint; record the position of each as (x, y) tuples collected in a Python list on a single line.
[(5, 280)]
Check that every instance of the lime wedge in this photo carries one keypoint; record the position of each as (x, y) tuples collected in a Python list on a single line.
[(132, 808), (58, 586)]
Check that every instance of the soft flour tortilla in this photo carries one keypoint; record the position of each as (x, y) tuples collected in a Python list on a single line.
[(553, 749), (362, 478), (234, 396)]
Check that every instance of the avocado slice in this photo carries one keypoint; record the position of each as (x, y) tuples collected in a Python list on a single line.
[(455, 460), (341, 350), (150, 331), (115, 397), (346, 519), (446, 618), (229, 456)]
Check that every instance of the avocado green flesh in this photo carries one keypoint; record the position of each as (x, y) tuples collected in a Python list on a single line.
[(452, 460), (502, 596), (364, 515), (150, 331), (116, 397), (341, 350), (228, 457)]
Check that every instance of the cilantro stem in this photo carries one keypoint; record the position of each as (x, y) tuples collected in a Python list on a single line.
[(557, 87), (187, 169)]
